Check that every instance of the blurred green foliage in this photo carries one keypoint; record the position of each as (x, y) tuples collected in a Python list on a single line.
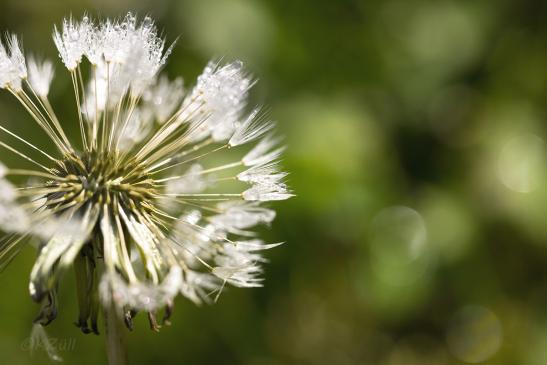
[(416, 133)]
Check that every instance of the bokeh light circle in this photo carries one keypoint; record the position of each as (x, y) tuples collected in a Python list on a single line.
[(398, 245), (521, 163), (474, 334)]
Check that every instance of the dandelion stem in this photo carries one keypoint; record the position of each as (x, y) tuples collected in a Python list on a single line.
[(115, 337)]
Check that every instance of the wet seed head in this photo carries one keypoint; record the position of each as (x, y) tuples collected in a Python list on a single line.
[(139, 207)]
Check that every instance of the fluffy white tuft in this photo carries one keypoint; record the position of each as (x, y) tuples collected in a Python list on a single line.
[(40, 75), (13, 68)]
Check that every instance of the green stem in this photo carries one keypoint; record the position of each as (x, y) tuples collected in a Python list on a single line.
[(115, 337)]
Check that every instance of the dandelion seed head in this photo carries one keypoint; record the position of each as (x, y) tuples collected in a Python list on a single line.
[(139, 205)]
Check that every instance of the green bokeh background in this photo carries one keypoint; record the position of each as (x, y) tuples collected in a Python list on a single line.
[(416, 137)]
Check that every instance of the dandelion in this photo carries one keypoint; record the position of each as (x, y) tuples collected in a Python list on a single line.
[(144, 206)]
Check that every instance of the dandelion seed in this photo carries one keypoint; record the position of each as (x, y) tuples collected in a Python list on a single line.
[(72, 41), (261, 153), (40, 339), (162, 99), (267, 192), (137, 206), (263, 174), (238, 216), (40, 75), (13, 69), (221, 95), (253, 127), (193, 181)]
